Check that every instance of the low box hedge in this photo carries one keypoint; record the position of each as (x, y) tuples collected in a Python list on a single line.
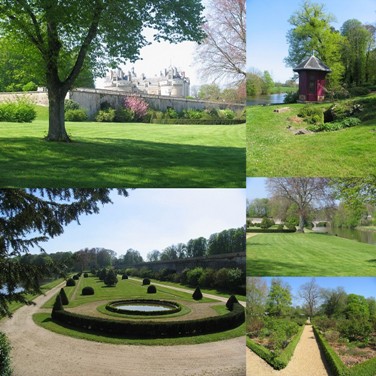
[(199, 121), (280, 361), (334, 361), (261, 231), (151, 329), (176, 307), (337, 367)]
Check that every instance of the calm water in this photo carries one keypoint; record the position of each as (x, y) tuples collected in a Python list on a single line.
[(266, 99), (144, 307), (359, 235)]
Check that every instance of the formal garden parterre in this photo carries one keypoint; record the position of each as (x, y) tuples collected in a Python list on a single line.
[(98, 313)]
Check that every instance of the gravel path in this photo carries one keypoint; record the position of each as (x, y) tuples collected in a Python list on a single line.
[(215, 297), (306, 360), (39, 352)]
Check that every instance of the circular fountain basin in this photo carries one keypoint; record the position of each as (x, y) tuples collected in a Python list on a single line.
[(144, 307)]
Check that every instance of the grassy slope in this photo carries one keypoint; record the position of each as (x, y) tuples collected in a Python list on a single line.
[(308, 255), (128, 289), (272, 150), (130, 155)]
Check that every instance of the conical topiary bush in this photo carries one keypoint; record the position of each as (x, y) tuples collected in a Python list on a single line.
[(64, 298), (230, 302), (197, 294)]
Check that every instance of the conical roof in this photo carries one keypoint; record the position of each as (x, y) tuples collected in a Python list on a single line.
[(312, 63)]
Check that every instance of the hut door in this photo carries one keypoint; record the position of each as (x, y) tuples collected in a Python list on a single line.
[(312, 88)]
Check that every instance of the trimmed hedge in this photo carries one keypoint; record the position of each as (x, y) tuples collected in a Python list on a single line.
[(124, 276), (197, 294), (86, 275), (64, 298), (260, 231), (280, 361), (176, 307), (71, 282), (87, 290), (145, 281), (334, 361), (151, 289), (151, 329), (231, 301), (199, 121), (338, 368), (367, 368), (5, 368)]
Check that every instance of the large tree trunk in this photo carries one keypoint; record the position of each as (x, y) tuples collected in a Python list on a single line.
[(301, 223), (56, 128)]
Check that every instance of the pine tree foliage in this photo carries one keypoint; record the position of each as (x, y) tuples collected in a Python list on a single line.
[(29, 217)]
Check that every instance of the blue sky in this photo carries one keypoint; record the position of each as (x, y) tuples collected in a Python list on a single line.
[(256, 188), (267, 26), (365, 286), (154, 219)]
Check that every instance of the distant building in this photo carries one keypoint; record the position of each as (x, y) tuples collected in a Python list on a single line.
[(170, 82), (312, 72)]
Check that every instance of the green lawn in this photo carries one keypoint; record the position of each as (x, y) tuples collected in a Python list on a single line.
[(123, 155), (273, 150), (308, 254), (126, 289)]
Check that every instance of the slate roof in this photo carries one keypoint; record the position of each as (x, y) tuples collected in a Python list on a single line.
[(312, 63)]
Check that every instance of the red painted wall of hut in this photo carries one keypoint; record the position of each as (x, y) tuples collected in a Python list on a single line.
[(312, 81)]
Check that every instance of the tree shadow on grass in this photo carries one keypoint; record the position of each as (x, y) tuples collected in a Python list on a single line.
[(119, 163)]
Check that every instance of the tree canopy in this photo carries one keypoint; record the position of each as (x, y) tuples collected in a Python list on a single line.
[(67, 33), (29, 217)]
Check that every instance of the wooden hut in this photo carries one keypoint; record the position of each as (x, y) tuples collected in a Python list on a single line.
[(312, 72)]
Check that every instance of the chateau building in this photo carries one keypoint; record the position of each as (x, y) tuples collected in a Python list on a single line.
[(170, 82)]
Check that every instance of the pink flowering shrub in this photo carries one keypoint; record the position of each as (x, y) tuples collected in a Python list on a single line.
[(137, 105)]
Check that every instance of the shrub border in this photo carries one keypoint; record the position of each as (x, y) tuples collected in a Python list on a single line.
[(152, 329), (277, 362), (335, 363), (5, 365), (112, 307), (260, 231)]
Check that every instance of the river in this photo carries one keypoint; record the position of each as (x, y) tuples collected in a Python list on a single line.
[(355, 234), (266, 99)]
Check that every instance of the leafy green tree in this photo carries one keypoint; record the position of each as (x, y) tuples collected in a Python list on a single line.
[(111, 278), (257, 291), (355, 51), (154, 255), (334, 301), (197, 247), (258, 208), (105, 32), (268, 83), (131, 258), (266, 223), (312, 31), (29, 217), (279, 298), (254, 84), (356, 192), (210, 92)]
